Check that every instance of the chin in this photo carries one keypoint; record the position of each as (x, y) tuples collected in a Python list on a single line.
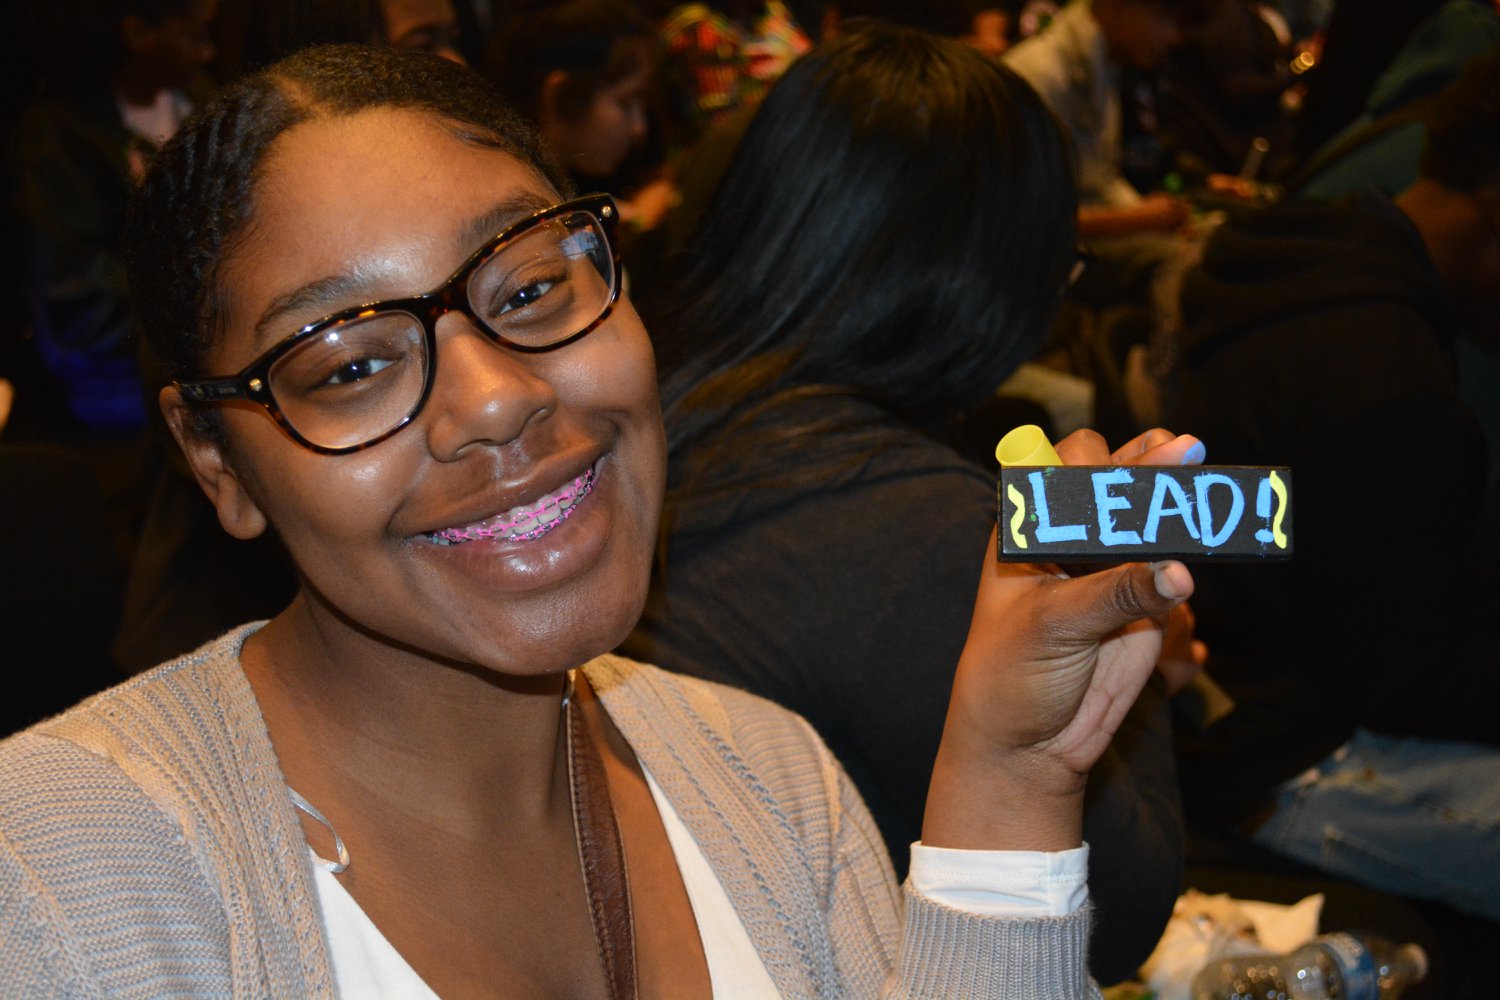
[(561, 637)]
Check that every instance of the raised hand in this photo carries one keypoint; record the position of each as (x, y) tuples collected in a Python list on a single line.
[(1051, 666)]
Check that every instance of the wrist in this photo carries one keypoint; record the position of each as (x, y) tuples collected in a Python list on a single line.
[(1002, 801)]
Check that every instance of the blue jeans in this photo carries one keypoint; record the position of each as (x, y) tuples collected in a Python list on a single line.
[(1415, 818)]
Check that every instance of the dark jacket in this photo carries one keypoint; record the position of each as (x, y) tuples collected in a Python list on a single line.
[(1317, 336), (839, 580), (70, 162)]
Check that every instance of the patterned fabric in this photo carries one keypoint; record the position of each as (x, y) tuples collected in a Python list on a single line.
[(74, 167), (713, 65), (148, 847)]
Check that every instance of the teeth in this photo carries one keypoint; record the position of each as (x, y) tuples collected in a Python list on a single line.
[(526, 522)]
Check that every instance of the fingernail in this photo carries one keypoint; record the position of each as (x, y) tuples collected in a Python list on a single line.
[(1162, 581), (1195, 454)]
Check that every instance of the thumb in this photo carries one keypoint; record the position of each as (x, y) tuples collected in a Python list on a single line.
[(1107, 601)]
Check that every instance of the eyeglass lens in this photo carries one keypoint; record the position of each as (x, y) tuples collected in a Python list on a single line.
[(356, 380)]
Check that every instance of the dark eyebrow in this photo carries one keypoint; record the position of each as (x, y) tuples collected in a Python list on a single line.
[(497, 219), (334, 288), (341, 288)]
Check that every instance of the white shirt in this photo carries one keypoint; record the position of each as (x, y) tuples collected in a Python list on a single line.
[(1068, 64), (158, 121), (993, 883)]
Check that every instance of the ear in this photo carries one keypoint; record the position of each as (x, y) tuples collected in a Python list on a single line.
[(830, 23), (547, 97), (239, 514)]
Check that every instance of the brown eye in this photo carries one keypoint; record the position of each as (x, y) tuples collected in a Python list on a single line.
[(357, 370), (530, 295)]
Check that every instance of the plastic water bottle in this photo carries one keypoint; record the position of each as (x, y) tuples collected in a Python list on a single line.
[(1347, 966)]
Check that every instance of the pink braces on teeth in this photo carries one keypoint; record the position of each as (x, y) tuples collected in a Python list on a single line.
[(580, 488)]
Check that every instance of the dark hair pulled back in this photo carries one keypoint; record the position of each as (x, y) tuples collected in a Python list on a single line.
[(594, 43), (198, 199)]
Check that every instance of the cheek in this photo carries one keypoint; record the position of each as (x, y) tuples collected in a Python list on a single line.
[(314, 501), (613, 367), (606, 132), (637, 375), (616, 376)]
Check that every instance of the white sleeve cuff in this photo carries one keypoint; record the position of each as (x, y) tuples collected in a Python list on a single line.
[(1002, 883)]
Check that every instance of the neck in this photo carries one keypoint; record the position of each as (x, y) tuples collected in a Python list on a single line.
[(394, 732)]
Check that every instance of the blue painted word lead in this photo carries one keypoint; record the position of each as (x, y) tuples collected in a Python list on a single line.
[(1119, 513)]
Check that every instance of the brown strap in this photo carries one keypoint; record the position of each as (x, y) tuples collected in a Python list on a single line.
[(602, 856)]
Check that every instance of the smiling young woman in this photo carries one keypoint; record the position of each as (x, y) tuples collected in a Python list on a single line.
[(400, 346), (498, 431)]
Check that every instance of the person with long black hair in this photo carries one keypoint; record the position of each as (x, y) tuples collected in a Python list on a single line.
[(830, 325)]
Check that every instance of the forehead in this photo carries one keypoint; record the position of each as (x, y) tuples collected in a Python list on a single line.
[(377, 144), (194, 10), (635, 80), (404, 16), (389, 193)]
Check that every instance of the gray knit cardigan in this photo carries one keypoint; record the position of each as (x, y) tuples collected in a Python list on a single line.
[(148, 848)]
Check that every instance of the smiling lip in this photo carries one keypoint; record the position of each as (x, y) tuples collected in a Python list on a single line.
[(524, 523)]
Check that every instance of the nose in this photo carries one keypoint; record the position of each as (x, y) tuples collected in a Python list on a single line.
[(483, 394)]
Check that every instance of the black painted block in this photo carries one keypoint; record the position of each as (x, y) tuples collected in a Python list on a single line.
[(1083, 513)]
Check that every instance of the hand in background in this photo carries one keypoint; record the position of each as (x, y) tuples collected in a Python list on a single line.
[(1156, 213), (649, 204)]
